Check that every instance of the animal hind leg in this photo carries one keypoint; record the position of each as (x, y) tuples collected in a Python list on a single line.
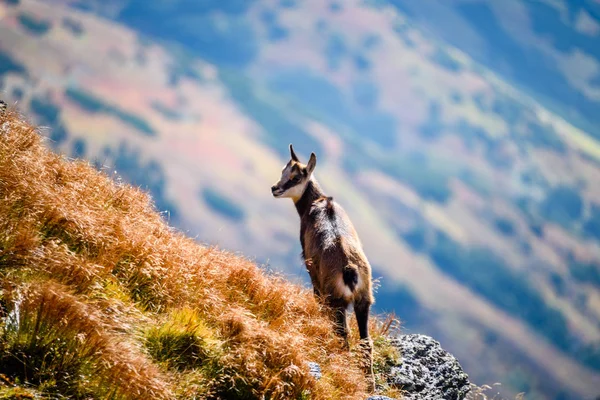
[(361, 309), (338, 308)]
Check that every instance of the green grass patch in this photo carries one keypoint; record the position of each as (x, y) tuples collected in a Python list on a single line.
[(10, 391), (35, 349), (183, 341)]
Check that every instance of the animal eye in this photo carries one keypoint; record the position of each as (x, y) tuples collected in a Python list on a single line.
[(296, 179)]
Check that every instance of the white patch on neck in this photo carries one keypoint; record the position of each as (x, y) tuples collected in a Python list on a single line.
[(297, 195)]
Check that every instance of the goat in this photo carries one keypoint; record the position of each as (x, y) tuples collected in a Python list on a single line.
[(339, 270)]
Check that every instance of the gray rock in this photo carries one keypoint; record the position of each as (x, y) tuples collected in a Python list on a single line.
[(427, 371), (315, 370), (379, 398)]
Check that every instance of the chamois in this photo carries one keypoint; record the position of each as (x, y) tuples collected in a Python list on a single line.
[(331, 249)]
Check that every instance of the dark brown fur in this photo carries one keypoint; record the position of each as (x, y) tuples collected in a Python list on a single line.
[(333, 254), (338, 268)]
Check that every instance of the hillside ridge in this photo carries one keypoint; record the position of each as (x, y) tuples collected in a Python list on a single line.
[(101, 298)]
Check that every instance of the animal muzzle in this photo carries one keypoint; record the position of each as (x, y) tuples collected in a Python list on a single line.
[(276, 190)]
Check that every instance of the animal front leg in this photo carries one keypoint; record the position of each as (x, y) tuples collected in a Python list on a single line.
[(313, 273)]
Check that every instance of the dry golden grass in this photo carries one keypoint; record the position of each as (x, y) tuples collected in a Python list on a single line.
[(102, 299)]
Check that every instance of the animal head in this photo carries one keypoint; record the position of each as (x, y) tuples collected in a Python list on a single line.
[(294, 177)]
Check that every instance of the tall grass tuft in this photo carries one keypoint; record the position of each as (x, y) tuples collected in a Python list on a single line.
[(183, 341), (54, 341)]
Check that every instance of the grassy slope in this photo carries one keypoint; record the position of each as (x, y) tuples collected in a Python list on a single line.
[(100, 298)]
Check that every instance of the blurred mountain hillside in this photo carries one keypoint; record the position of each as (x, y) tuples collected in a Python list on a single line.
[(462, 137)]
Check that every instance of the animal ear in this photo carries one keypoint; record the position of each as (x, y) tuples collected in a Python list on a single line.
[(294, 156), (312, 163)]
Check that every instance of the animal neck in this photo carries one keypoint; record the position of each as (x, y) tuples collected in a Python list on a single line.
[(312, 192)]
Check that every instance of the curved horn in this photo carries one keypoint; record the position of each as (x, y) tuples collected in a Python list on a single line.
[(294, 156)]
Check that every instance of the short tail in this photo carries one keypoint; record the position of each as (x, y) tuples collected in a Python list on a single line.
[(350, 275)]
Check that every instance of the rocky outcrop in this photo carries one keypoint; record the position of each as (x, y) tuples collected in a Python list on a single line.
[(427, 372)]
